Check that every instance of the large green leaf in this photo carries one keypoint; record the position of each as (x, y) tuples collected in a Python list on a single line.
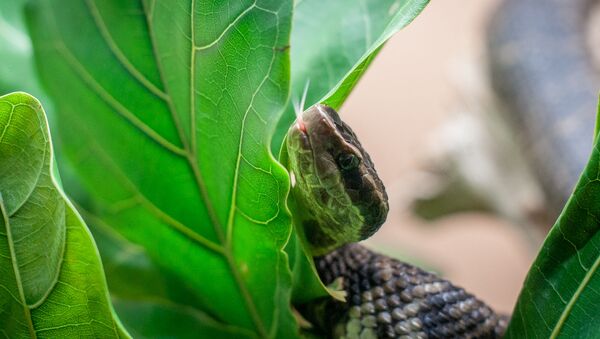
[(561, 293), (51, 279), (178, 113), (333, 43), (165, 110)]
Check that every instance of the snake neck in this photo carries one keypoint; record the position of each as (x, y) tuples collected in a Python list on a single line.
[(317, 227), (387, 298)]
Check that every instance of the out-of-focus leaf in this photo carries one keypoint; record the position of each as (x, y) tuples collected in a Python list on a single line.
[(561, 293), (16, 53), (166, 110), (164, 319), (51, 278), (334, 42)]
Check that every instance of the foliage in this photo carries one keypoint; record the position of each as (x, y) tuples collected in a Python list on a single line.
[(562, 290), (166, 129), (171, 147), (50, 271), (167, 112)]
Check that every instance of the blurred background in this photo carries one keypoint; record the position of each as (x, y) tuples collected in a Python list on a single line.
[(455, 112), (479, 118)]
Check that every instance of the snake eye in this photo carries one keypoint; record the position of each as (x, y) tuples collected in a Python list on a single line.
[(347, 161)]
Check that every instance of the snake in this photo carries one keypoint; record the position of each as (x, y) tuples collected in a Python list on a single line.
[(340, 201)]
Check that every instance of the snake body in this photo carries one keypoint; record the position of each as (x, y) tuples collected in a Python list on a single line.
[(341, 200), (387, 298)]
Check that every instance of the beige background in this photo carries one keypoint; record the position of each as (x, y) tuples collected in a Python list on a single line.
[(409, 91)]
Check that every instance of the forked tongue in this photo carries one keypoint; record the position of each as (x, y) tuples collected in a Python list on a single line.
[(299, 108)]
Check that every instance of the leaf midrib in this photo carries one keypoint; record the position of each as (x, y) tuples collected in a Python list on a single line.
[(193, 161), (40, 169), (47, 153), (189, 151), (15, 266), (582, 285), (46, 160), (567, 311)]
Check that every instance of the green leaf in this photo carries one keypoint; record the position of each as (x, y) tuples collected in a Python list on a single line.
[(150, 300), (333, 43), (166, 110), (51, 279), (561, 293), (16, 52)]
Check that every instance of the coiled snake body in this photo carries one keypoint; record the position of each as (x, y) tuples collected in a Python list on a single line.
[(342, 201)]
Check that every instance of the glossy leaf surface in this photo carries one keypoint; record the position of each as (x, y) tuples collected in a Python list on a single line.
[(166, 121), (51, 279), (149, 301), (561, 293)]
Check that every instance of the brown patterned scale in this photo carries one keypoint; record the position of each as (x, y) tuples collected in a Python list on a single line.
[(387, 298)]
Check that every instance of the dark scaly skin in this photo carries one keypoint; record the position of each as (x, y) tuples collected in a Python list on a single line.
[(339, 202), (387, 298)]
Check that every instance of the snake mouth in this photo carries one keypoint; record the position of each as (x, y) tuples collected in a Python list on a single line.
[(314, 121), (300, 129)]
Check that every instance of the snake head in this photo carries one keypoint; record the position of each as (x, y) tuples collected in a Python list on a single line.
[(334, 181)]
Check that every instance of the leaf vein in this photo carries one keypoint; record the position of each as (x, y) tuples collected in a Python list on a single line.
[(116, 106), (567, 310), (151, 207), (232, 24), (118, 53)]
